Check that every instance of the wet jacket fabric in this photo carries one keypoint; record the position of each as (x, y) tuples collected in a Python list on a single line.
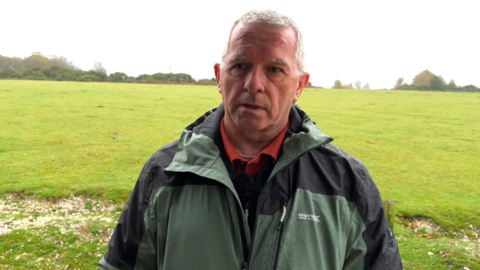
[(319, 209)]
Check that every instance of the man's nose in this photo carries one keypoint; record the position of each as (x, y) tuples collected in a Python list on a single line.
[(255, 80)]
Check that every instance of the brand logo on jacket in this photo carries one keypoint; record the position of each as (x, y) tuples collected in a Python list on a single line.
[(303, 216)]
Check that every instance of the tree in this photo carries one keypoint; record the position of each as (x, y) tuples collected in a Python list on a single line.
[(337, 85), (117, 77), (207, 82), (358, 85), (366, 86), (5, 62), (442, 79), (436, 83), (97, 66), (309, 85), (131, 79), (143, 77), (34, 74), (62, 62), (183, 78), (451, 84), (17, 64), (36, 60), (423, 78), (471, 88), (102, 77), (8, 74), (398, 84), (88, 78)]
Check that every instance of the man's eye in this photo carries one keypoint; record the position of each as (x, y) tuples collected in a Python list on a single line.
[(275, 69), (240, 66)]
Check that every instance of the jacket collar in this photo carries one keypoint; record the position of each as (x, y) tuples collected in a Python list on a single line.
[(199, 147)]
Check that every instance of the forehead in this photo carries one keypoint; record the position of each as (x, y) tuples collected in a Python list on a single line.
[(263, 39)]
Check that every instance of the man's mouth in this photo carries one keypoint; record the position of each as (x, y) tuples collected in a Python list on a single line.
[(251, 107)]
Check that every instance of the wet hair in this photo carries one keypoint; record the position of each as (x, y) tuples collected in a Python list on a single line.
[(272, 17)]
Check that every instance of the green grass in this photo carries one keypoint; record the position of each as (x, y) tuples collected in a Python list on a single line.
[(422, 148), (59, 139), (50, 248), (446, 252)]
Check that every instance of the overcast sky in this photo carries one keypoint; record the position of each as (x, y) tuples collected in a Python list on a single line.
[(374, 42)]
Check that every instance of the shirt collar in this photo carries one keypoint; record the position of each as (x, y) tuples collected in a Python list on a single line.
[(272, 150)]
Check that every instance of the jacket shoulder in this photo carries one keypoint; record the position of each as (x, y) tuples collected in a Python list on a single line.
[(154, 169), (336, 172), (362, 187), (354, 163), (163, 157), (124, 244), (359, 188)]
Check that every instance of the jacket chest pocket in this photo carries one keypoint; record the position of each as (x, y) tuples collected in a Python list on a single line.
[(314, 233)]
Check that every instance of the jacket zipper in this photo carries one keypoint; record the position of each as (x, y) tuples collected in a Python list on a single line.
[(279, 235), (246, 265)]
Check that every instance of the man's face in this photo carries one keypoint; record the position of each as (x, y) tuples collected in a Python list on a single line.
[(259, 78)]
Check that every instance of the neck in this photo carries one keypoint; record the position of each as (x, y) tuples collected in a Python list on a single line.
[(250, 143)]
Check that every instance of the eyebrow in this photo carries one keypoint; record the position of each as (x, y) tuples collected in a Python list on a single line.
[(241, 57), (237, 58), (279, 61)]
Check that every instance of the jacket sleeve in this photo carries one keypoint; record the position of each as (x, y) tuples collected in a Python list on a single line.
[(372, 245), (132, 245)]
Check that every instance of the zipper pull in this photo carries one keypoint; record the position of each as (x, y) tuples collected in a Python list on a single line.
[(244, 266), (284, 212)]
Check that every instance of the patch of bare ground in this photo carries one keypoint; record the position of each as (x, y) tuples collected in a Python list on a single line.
[(77, 214), (427, 228), (467, 239)]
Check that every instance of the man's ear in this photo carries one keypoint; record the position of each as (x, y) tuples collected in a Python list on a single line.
[(216, 67), (301, 85)]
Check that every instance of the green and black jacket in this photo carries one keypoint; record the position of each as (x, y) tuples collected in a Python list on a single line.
[(320, 209)]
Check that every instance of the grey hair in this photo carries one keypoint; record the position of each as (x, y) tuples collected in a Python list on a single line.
[(272, 17)]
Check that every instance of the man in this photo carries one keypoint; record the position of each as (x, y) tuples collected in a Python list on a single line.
[(254, 184)]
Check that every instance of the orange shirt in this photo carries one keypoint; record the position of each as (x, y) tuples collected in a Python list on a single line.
[(254, 166)]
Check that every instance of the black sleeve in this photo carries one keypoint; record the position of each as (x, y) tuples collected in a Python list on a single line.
[(123, 249), (382, 247), (128, 234)]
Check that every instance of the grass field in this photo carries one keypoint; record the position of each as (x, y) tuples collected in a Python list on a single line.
[(59, 139)]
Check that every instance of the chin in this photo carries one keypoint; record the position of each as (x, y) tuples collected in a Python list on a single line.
[(250, 125)]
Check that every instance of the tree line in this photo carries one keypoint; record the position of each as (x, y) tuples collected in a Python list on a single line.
[(424, 81), (40, 67), (427, 81), (358, 85)]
